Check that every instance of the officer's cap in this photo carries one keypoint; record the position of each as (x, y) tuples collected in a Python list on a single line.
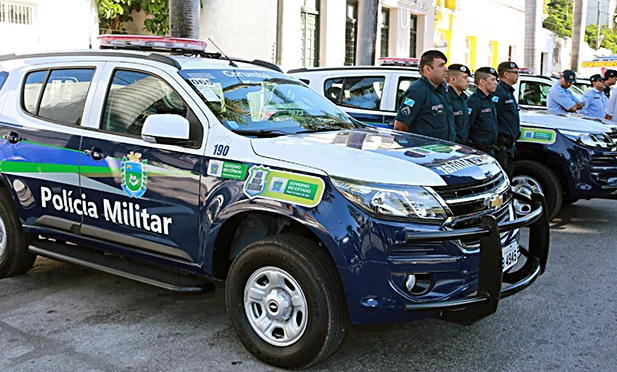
[(506, 66), (610, 73), (434, 54), (488, 70), (459, 67), (596, 77), (569, 76)]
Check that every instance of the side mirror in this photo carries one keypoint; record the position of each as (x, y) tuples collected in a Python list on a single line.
[(169, 129)]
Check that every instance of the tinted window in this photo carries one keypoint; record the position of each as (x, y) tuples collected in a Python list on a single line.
[(134, 95), (32, 90), (356, 92), (264, 100), (533, 93), (65, 94), (3, 77)]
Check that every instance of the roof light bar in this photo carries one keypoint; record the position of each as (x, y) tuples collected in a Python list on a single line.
[(150, 42), (399, 61), (526, 70)]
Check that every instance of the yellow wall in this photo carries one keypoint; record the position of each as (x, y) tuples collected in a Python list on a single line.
[(495, 53), (472, 52)]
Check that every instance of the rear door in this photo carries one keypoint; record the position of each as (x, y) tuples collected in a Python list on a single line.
[(400, 82), (147, 194), (41, 131)]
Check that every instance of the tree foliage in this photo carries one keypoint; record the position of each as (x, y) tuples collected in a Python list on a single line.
[(559, 16), (113, 14), (609, 40)]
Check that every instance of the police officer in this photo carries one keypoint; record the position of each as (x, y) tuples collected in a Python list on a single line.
[(425, 108), (560, 99), (594, 100), (482, 114), (611, 79), (508, 120), (458, 83)]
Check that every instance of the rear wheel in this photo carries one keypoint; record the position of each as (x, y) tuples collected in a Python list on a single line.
[(531, 176), (15, 259), (286, 302)]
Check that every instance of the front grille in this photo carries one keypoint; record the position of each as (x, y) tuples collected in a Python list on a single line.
[(613, 135), (505, 214), (603, 163), (472, 198)]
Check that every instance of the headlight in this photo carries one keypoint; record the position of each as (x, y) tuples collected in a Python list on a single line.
[(591, 140), (390, 201)]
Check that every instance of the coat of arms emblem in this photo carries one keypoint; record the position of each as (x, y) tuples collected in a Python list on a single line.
[(134, 177)]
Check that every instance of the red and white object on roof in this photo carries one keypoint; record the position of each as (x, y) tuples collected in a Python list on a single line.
[(399, 61), (151, 42), (526, 70)]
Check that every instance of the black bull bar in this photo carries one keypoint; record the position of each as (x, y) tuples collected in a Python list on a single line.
[(468, 310)]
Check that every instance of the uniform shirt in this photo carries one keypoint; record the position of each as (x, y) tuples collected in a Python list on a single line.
[(611, 108), (559, 99), (427, 111), (607, 92), (461, 115), (595, 103), (508, 119), (482, 119)]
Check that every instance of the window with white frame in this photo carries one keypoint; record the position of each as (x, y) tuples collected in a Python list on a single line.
[(17, 14)]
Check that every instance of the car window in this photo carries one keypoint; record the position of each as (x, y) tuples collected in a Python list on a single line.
[(403, 84), (63, 92), (533, 93), (255, 100), (133, 96), (3, 77), (64, 96), (356, 92)]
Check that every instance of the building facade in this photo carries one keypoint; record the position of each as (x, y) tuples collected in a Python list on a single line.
[(481, 33), (43, 25)]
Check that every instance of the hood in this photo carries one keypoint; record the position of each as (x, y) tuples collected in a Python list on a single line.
[(573, 122), (382, 156)]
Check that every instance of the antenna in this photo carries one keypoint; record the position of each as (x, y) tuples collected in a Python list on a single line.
[(231, 63)]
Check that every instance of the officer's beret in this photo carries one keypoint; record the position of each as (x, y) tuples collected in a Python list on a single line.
[(434, 54), (459, 67), (505, 66), (488, 70), (596, 77), (569, 76), (610, 73)]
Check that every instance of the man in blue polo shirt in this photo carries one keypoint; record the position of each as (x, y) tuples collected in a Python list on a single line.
[(594, 100), (425, 108), (560, 98)]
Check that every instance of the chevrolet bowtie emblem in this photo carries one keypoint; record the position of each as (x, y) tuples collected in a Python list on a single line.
[(494, 202)]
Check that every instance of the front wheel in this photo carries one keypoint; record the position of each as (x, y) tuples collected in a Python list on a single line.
[(286, 302), (531, 176)]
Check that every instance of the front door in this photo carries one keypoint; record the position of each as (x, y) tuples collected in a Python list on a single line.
[(147, 194)]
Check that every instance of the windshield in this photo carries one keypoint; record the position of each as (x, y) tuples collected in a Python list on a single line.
[(253, 102)]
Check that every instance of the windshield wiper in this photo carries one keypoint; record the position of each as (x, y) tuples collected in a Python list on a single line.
[(262, 133)]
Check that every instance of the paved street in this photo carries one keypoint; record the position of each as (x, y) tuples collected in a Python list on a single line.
[(61, 317)]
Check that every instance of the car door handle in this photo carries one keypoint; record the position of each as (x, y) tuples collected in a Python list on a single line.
[(12, 137), (95, 153)]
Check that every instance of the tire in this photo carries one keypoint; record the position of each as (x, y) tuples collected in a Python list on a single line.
[(542, 175), (319, 327), (15, 259)]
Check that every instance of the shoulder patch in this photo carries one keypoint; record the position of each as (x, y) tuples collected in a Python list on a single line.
[(409, 102), (495, 99), (562, 91), (469, 111), (406, 111)]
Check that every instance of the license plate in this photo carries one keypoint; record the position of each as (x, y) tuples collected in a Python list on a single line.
[(509, 256)]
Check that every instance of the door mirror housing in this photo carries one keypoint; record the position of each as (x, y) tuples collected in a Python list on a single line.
[(168, 129)]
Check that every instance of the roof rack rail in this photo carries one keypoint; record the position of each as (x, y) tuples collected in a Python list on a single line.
[(94, 53)]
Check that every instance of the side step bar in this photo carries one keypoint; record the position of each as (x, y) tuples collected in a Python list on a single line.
[(125, 268)]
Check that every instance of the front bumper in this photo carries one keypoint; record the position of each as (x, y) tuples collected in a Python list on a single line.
[(468, 310)]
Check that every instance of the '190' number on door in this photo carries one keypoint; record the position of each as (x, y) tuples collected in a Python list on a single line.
[(221, 150)]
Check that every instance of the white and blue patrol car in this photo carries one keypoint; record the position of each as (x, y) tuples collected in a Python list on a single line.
[(182, 169)]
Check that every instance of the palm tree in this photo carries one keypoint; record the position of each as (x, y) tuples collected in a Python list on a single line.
[(578, 31), (184, 18)]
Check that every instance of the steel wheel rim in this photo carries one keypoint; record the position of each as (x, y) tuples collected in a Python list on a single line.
[(275, 306), (527, 186), (3, 239)]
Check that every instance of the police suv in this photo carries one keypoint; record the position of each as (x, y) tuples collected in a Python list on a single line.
[(182, 169), (566, 158)]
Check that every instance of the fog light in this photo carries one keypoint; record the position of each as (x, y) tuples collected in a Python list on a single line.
[(410, 282), (418, 284)]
